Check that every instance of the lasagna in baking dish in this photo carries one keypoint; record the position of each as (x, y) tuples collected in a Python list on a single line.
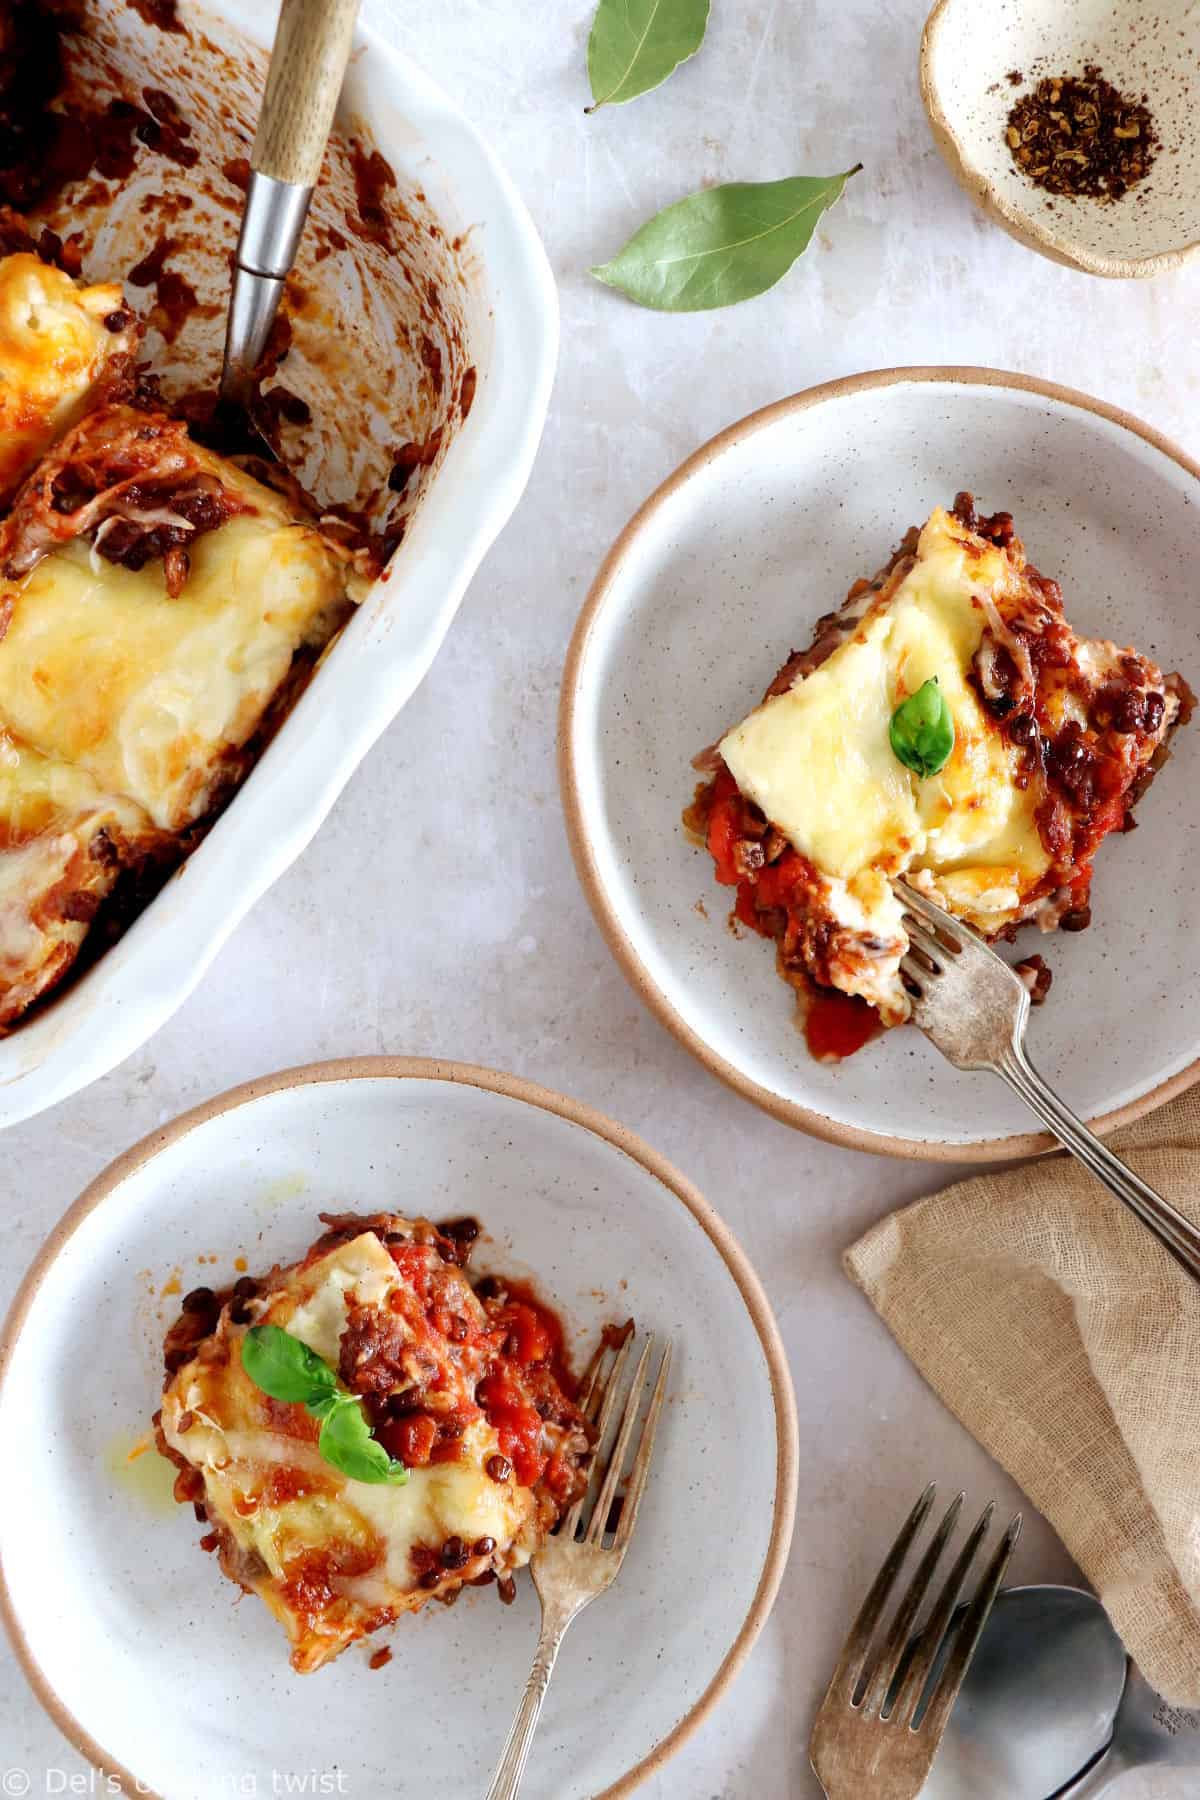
[(160, 607), (59, 343), (946, 724), (366, 1430)]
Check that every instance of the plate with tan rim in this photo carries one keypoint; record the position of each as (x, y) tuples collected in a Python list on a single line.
[(139, 1648), (727, 567)]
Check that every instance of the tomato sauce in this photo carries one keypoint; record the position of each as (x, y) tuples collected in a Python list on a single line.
[(836, 1024), (517, 1424)]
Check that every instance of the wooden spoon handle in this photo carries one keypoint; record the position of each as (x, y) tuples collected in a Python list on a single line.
[(312, 48)]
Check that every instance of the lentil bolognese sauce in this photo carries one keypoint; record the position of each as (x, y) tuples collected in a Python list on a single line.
[(461, 1391)]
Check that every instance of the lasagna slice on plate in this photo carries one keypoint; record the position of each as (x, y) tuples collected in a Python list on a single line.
[(461, 1393), (160, 609), (947, 724)]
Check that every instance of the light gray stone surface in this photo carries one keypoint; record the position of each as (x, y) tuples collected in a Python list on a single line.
[(438, 913)]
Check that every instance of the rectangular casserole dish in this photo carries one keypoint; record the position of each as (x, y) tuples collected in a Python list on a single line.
[(444, 348)]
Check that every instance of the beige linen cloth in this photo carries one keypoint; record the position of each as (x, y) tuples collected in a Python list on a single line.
[(1068, 1342)]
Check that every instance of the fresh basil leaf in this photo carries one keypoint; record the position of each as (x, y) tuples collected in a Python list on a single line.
[(922, 730), (723, 244), (346, 1442), (636, 44), (284, 1368)]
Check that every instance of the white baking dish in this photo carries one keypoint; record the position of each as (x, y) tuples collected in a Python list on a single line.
[(505, 312)]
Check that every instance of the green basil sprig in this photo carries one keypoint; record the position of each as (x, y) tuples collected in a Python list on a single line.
[(286, 1369), (635, 44), (922, 730)]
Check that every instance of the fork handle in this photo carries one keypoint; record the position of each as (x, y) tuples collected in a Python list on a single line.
[(1173, 1231), (511, 1768)]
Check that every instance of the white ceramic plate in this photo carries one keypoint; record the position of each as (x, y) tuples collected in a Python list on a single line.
[(136, 1643), (510, 318), (723, 571)]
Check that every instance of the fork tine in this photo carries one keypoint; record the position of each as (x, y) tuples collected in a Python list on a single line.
[(641, 1462), (929, 910), (927, 944), (859, 1641), (969, 1633), (917, 1674), (616, 1461), (884, 1672), (591, 1380), (604, 1394), (915, 971)]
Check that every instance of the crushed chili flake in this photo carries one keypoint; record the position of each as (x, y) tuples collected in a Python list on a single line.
[(1080, 137)]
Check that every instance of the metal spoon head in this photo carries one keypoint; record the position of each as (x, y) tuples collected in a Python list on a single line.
[(1039, 1700)]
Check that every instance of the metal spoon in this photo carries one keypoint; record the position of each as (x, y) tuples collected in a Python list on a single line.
[(312, 48), (1147, 1732), (1052, 1706), (1038, 1702)]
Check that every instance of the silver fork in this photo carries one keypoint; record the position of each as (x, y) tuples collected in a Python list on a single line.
[(970, 1004), (878, 1730), (573, 1565)]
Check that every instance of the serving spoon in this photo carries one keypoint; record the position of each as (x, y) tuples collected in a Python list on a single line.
[(308, 62), (1051, 1706)]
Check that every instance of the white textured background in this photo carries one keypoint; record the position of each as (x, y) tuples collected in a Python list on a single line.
[(438, 912)]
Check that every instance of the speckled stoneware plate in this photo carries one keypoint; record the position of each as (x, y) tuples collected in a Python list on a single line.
[(967, 52), (723, 571), (134, 1641)]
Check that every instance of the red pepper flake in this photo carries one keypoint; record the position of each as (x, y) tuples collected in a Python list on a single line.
[(380, 1659), (1080, 137)]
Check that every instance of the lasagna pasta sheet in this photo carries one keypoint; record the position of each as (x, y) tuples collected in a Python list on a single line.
[(59, 341), (1054, 736), (447, 1375), (65, 848), (158, 606)]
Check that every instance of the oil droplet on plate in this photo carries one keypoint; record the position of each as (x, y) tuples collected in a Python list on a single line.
[(281, 1190), (139, 1471)]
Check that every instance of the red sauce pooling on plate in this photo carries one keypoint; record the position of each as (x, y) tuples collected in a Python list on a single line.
[(509, 1395), (836, 1025)]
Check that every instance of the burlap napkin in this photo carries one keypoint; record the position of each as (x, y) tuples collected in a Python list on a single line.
[(1068, 1342)]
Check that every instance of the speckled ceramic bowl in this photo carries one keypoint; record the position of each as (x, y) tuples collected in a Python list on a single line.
[(174, 1685), (967, 51), (724, 570)]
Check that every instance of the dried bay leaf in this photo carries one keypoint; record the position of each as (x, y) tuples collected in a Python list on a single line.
[(723, 244), (635, 44)]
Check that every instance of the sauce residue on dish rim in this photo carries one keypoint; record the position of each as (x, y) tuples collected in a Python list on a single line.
[(124, 131)]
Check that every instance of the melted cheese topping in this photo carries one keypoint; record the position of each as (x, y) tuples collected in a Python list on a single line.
[(237, 1438), (817, 759), (101, 668), (52, 865), (54, 346)]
